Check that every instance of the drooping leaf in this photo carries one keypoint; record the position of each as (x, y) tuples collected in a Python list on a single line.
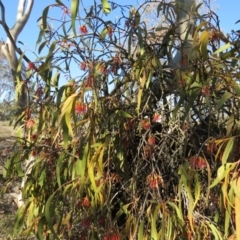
[(44, 18), (228, 150), (74, 11), (49, 212), (222, 173), (223, 48), (104, 33), (204, 39), (223, 99), (106, 6)]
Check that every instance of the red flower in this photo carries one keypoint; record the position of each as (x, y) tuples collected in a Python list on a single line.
[(31, 66), (214, 36), (34, 152), (183, 61), (66, 11), (182, 83), (30, 123), (110, 31), (197, 162), (83, 66), (147, 151), (86, 223), (39, 91), (28, 113), (154, 180), (80, 108), (86, 202), (157, 118), (33, 137), (102, 221), (146, 124), (83, 29), (151, 140), (103, 69), (129, 124), (206, 91), (112, 236), (89, 81)]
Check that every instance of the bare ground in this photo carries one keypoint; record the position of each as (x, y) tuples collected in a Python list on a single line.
[(7, 205)]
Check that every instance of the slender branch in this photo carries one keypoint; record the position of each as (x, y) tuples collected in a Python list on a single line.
[(9, 34)]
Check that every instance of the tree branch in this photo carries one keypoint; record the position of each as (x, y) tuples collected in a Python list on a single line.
[(22, 17)]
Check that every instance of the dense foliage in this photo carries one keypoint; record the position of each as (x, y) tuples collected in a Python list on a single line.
[(130, 147)]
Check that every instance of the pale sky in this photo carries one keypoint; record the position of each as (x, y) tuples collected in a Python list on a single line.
[(228, 11)]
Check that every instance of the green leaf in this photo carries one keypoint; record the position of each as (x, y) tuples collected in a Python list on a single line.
[(68, 117), (49, 213), (58, 169), (204, 39), (222, 173), (106, 6), (154, 235), (122, 113), (82, 163), (74, 10), (237, 89), (215, 232), (223, 99), (143, 79), (60, 2), (228, 150), (40, 229), (224, 47), (178, 211), (227, 220), (60, 95), (197, 30), (104, 33), (42, 46), (140, 230), (44, 18), (197, 190)]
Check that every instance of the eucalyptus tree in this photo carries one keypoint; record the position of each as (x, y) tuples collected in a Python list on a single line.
[(104, 160)]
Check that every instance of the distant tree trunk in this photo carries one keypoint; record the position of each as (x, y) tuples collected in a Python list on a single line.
[(9, 48)]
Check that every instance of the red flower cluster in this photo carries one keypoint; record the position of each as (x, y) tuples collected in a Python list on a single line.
[(151, 140), (80, 108), (86, 202), (206, 91), (30, 123), (146, 124), (83, 29), (197, 162), (110, 31), (112, 236), (83, 66), (154, 180), (31, 66), (89, 81), (157, 118), (66, 11)]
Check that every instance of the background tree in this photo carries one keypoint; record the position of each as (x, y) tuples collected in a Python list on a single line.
[(6, 88), (112, 157), (10, 49)]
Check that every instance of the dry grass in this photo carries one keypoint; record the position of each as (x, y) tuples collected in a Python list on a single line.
[(6, 130)]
